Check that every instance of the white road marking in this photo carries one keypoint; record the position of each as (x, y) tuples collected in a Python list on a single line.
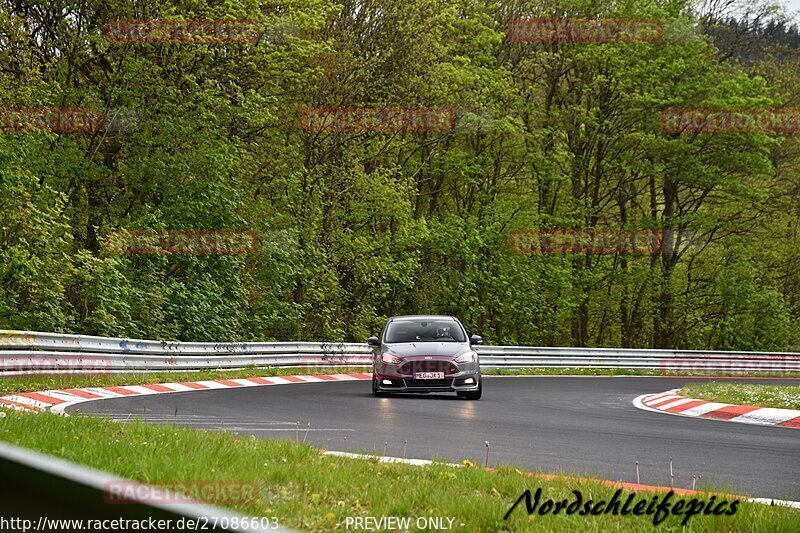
[(675, 403), (771, 501), (212, 385), (278, 380), (766, 415), (27, 401), (138, 389), (654, 397), (663, 399), (700, 410), (311, 379), (61, 395), (344, 377), (177, 387), (220, 423), (386, 459), (302, 429), (102, 392), (245, 382)]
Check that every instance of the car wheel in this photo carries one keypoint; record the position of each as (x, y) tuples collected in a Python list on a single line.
[(375, 391), (473, 394)]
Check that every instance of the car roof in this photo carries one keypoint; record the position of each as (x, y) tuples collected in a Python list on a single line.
[(421, 317)]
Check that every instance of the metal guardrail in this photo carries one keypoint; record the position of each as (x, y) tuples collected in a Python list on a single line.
[(27, 352), (108, 345), (45, 491)]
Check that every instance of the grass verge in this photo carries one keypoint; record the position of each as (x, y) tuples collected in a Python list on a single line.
[(780, 396), (312, 492)]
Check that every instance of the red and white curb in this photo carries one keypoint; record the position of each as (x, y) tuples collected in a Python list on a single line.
[(56, 401), (670, 402)]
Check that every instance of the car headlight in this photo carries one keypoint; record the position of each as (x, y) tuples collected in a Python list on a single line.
[(391, 359), (468, 357)]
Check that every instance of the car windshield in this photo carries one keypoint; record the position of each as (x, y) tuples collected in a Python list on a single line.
[(424, 331)]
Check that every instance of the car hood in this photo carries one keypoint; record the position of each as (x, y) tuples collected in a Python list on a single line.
[(435, 349)]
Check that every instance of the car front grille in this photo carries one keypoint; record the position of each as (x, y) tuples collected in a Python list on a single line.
[(428, 383), (428, 366)]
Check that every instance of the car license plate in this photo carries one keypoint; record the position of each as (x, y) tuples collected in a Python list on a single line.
[(428, 375)]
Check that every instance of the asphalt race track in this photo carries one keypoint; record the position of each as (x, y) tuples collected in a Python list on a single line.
[(574, 425)]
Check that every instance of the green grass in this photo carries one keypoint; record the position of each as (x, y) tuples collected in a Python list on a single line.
[(308, 491), (780, 396), (38, 382)]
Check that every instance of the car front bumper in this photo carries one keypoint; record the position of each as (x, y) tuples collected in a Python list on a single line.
[(452, 382)]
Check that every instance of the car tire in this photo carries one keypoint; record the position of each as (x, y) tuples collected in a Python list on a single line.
[(473, 394), (375, 391)]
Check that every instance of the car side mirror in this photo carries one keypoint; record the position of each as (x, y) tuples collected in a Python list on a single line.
[(476, 339), (374, 341)]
